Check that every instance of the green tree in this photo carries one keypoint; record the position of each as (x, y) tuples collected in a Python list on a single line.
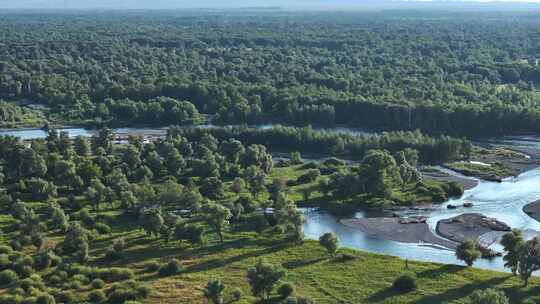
[(467, 252), (255, 178), (217, 216), (214, 291), (512, 243), (263, 277), (488, 296), (529, 259), (152, 221), (330, 242), (81, 146)]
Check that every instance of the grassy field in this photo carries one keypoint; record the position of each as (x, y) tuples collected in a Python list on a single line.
[(365, 279)]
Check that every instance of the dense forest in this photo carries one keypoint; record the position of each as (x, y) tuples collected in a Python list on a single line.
[(454, 73)]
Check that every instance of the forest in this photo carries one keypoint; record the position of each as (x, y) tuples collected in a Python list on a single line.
[(215, 209), (439, 73)]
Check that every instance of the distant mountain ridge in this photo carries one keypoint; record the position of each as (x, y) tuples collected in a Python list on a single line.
[(285, 4)]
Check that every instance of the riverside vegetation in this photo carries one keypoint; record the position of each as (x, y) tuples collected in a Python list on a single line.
[(178, 220)]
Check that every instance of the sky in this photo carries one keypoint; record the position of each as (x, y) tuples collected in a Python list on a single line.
[(167, 4)]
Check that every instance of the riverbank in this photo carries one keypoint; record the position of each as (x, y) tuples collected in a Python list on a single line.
[(496, 163), (469, 226), (391, 228), (533, 210), (466, 183)]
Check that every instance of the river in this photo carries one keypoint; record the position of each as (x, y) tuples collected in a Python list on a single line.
[(503, 201)]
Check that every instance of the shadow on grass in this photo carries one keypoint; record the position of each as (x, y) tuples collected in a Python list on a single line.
[(449, 295), (302, 263), (436, 272), (383, 294), (221, 262), (461, 292)]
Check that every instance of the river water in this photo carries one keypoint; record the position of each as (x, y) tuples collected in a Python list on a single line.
[(503, 201)]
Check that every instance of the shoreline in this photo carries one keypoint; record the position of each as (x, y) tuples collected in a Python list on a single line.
[(389, 228), (449, 233), (532, 210), (466, 183)]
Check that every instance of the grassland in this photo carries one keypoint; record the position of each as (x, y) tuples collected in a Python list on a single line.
[(365, 279)]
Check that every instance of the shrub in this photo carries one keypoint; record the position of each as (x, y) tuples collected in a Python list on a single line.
[(81, 278), (405, 283), (11, 299), (290, 300), (488, 296), (45, 299), (16, 245), (286, 290), (152, 266), (55, 280), (237, 294), (113, 255), (171, 268), (43, 260), (66, 297), (98, 284), (310, 176), (8, 277), (102, 228), (305, 301), (5, 249), (86, 218), (5, 262), (24, 271), (96, 296), (116, 274)]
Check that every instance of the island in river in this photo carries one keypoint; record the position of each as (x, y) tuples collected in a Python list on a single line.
[(451, 232)]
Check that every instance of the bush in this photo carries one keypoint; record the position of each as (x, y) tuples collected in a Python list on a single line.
[(171, 268), (81, 278), (5, 249), (97, 296), (237, 294), (66, 297), (24, 271), (45, 299), (5, 262), (454, 189), (43, 260), (290, 300), (152, 266), (16, 245), (405, 283), (98, 284), (488, 296), (8, 277), (305, 301), (55, 280), (102, 228), (286, 290), (310, 176), (113, 255)]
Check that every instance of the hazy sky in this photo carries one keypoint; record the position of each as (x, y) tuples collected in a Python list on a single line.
[(156, 4)]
